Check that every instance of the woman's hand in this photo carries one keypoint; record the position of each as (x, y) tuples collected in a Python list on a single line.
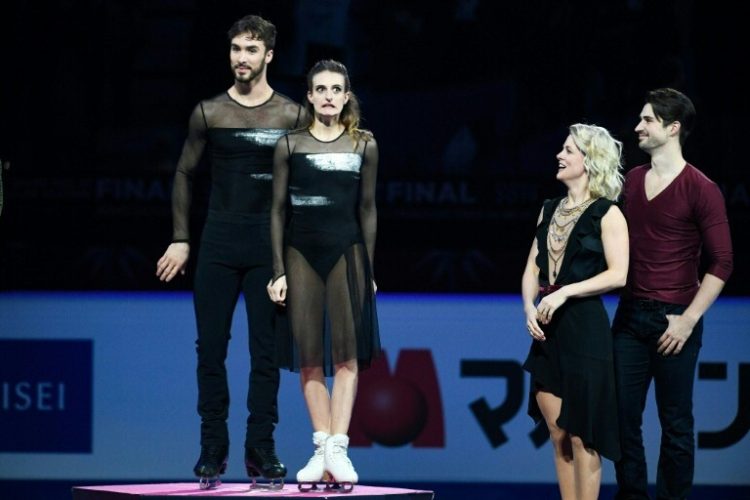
[(549, 304), (277, 290), (532, 326)]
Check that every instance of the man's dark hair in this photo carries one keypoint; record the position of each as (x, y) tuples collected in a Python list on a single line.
[(259, 28), (671, 106)]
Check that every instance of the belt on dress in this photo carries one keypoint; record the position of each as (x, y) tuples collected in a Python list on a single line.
[(545, 290)]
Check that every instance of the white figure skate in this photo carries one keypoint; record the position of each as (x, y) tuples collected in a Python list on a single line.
[(343, 477), (314, 472)]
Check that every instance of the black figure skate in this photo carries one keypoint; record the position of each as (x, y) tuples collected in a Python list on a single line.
[(263, 462), (211, 464)]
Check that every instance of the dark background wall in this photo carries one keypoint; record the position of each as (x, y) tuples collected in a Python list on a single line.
[(469, 99)]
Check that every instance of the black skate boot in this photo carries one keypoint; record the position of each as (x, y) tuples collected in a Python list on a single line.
[(211, 464), (264, 462)]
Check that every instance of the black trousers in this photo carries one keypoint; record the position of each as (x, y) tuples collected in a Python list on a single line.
[(235, 258), (637, 326)]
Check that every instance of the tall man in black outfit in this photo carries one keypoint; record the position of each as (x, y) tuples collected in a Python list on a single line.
[(240, 127)]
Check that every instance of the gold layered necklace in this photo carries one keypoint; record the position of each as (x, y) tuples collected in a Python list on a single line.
[(563, 221)]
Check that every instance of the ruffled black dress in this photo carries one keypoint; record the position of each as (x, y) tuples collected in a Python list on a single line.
[(575, 363)]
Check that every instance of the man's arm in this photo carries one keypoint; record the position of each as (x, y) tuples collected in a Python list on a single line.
[(717, 243), (176, 256)]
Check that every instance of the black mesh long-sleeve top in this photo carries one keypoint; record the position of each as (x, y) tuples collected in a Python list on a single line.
[(330, 190), (240, 141)]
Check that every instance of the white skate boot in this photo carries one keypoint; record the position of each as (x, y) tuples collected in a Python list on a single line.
[(337, 463), (311, 474)]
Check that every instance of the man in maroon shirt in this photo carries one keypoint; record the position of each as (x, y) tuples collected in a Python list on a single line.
[(673, 210)]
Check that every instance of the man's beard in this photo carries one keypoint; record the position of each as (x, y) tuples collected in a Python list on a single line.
[(251, 75)]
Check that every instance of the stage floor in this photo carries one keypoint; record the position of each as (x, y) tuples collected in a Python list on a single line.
[(238, 490)]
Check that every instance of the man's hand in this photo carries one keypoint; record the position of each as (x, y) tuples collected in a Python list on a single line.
[(173, 261), (673, 339)]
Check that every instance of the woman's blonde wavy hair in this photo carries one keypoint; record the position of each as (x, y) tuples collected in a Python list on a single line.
[(602, 159)]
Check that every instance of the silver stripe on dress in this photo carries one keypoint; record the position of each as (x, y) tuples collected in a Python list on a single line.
[(310, 201), (339, 162), (261, 136), (262, 177)]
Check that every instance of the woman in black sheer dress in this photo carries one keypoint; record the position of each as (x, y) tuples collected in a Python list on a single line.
[(323, 258), (580, 251)]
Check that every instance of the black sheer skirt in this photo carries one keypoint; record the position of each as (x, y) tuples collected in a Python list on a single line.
[(331, 310)]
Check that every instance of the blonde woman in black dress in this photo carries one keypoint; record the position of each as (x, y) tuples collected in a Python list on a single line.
[(580, 252), (323, 258)]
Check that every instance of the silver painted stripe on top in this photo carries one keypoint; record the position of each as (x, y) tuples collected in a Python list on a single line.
[(261, 136), (262, 177), (310, 201), (339, 162)]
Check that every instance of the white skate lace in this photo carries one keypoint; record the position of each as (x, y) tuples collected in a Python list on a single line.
[(317, 455), (339, 454)]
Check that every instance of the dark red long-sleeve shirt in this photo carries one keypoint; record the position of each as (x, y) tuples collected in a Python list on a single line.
[(667, 233)]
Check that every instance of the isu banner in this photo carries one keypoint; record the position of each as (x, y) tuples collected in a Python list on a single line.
[(101, 386)]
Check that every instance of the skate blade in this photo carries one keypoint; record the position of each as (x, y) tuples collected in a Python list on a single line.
[(340, 486), (208, 483), (271, 485), (307, 486)]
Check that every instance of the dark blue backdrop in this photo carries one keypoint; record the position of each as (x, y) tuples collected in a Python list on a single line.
[(469, 99)]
